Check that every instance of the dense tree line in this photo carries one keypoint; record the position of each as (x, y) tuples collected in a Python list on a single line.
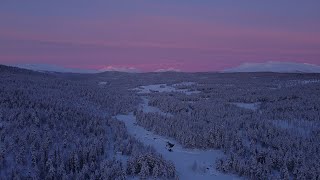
[(56, 127), (279, 140), (61, 126)]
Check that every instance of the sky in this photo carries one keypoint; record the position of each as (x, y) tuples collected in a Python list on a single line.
[(148, 35)]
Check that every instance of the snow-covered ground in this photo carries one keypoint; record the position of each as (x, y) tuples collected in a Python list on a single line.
[(103, 83), (162, 88), (250, 106), (184, 159), (310, 81), (191, 164), (184, 84)]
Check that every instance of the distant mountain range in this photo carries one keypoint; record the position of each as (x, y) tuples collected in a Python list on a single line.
[(271, 66), (279, 67)]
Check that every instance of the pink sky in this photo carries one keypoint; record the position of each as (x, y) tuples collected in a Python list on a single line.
[(190, 39)]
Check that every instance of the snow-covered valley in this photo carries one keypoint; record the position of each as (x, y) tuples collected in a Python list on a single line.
[(190, 163)]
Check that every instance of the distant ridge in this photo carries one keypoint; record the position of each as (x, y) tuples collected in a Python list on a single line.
[(51, 68), (278, 67), (59, 69)]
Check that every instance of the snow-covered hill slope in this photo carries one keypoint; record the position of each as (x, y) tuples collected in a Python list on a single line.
[(281, 67)]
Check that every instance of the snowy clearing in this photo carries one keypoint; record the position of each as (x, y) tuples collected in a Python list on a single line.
[(183, 159), (250, 106), (184, 84), (103, 83), (162, 88)]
